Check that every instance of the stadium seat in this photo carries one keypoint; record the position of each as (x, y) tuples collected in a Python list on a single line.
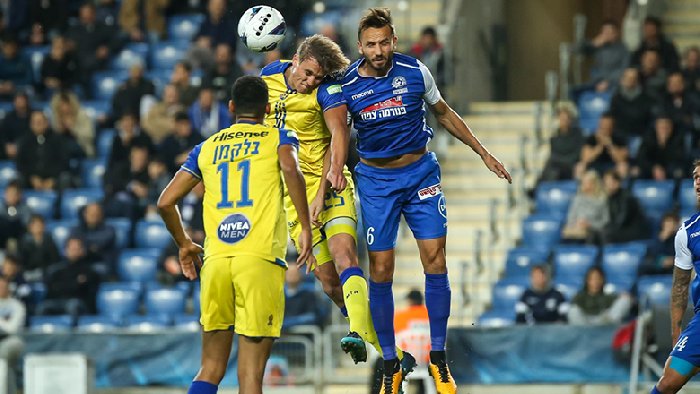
[(8, 172), (572, 262), (591, 105), (688, 199), (654, 289), (568, 289), (41, 202), (520, 261), (166, 54), (50, 324), (97, 109), (151, 234), (148, 323), (134, 52), (138, 265), (497, 318), (184, 286), (74, 199), (60, 230), (621, 262), (656, 197), (122, 227), (554, 197), (96, 324), (187, 322), (105, 138), (618, 285), (184, 27), (507, 292), (117, 300), (36, 55), (165, 301), (5, 107), (541, 232), (105, 83), (93, 172)]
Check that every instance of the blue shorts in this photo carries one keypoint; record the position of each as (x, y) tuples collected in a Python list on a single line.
[(688, 346), (413, 190)]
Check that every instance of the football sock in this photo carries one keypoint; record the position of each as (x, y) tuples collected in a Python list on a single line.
[(344, 311), (381, 301), (200, 387), (654, 390), (437, 301)]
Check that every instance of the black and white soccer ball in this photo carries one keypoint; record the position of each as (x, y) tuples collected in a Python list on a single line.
[(261, 28)]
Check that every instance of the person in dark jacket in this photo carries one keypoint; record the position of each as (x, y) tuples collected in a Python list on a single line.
[(59, 69), (661, 155), (15, 69), (128, 135), (98, 237), (14, 126), (177, 146), (654, 39), (565, 145), (127, 185), (630, 106), (541, 303), (37, 249), (40, 157), (627, 220), (127, 98), (14, 216)]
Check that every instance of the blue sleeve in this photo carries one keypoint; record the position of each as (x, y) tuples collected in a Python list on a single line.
[(288, 137), (191, 165), (330, 95)]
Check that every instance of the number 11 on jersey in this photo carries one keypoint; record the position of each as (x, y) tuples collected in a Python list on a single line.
[(244, 201)]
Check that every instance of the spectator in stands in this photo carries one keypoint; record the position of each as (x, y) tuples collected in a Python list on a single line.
[(180, 77), (71, 287), (50, 16), (691, 69), (588, 213), (430, 51), (679, 104), (128, 134), (176, 147), (127, 185), (541, 303), (16, 14), (663, 249), (592, 305), (627, 219), (15, 69), (128, 96), (71, 120), (37, 249), (12, 318), (99, 238), (654, 39), (302, 306), (12, 272), (14, 216), (40, 158), (652, 76), (208, 115), (191, 209), (223, 74), (160, 119), (169, 269), (59, 70), (610, 57), (565, 147), (215, 29), (158, 179), (630, 106), (67, 134), (14, 126), (143, 19), (604, 150), (661, 155)]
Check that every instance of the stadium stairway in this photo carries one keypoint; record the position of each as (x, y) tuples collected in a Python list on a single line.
[(681, 22), (478, 203)]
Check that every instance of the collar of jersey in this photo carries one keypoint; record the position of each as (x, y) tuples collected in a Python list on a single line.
[(246, 122), (367, 76)]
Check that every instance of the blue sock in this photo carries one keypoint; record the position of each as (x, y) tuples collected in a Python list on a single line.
[(381, 306), (654, 390), (344, 311), (200, 387), (437, 301)]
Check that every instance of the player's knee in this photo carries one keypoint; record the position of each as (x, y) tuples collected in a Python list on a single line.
[(344, 259), (434, 261), (382, 273)]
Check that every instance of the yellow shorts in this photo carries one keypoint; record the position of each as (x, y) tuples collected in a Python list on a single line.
[(339, 215), (244, 294)]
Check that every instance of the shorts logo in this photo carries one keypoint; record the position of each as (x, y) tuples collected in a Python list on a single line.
[(234, 228), (442, 207), (398, 82), (430, 191)]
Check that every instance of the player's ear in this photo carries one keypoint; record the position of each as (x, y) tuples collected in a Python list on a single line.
[(267, 108), (232, 107), (394, 40), (295, 60)]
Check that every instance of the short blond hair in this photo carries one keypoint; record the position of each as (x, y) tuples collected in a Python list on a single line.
[(326, 52)]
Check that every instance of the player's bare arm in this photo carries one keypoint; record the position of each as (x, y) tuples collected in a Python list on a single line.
[(189, 252), (450, 120), (316, 206), (336, 120), (679, 300), (296, 187)]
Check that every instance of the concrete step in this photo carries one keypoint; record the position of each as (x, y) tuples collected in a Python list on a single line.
[(511, 107), (501, 122)]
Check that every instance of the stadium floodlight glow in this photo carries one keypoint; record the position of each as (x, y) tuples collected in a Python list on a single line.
[(319, 7)]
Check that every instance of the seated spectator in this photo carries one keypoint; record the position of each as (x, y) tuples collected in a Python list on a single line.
[(127, 98), (59, 70), (604, 150), (610, 57), (627, 219), (691, 69), (71, 286), (126, 187), (216, 29), (70, 120), (223, 73), (592, 305), (14, 126), (40, 157), (430, 52), (160, 119), (15, 69), (652, 76), (663, 250), (630, 106), (565, 146), (128, 134), (99, 238), (182, 73), (302, 305), (50, 16), (679, 104), (158, 179), (176, 147), (37, 249), (654, 39), (661, 155), (588, 213), (208, 115), (12, 319), (541, 303), (141, 20), (14, 216), (13, 273)]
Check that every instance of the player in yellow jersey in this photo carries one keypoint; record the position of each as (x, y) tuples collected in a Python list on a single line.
[(242, 278), (305, 98)]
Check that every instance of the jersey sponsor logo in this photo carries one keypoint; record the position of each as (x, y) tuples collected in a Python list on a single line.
[(385, 109), (240, 134), (695, 234), (398, 82), (234, 228), (400, 91), (334, 89), (362, 94), (430, 191)]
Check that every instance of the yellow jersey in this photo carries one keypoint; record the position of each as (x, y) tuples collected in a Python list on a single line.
[(243, 210), (302, 113)]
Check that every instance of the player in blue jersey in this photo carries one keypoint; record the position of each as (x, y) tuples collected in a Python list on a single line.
[(386, 93), (684, 360)]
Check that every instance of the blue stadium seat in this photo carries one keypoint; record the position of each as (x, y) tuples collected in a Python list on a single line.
[(74, 199), (151, 234), (148, 323), (507, 292), (160, 78), (41, 202), (36, 55), (520, 261), (572, 262), (122, 227), (541, 232), (38, 292), (621, 262), (554, 197), (8, 172), (105, 83), (132, 53), (105, 138), (138, 265), (184, 286), (619, 285), (591, 105), (654, 289), (93, 172), (497, 318), (165, 301), (60, 230), (166, 54), (50, 324), (187, 322), (184, 27), (5, 108), (688, 199), (117, 300), (96, 324), (97, 109), (568, 289), (656, 197)]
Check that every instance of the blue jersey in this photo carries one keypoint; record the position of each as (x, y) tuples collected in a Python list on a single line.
[(688, 253), (389, 112)]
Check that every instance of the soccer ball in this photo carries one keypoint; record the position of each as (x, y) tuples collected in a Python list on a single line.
[(261, 28)]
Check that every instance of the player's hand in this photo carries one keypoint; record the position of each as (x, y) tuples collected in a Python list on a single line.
[(337, 179), (315, 209), (306, 255), (497, 167), (189, 255)]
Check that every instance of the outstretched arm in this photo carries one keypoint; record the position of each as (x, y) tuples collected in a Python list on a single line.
[(337, 121), (683, 266)]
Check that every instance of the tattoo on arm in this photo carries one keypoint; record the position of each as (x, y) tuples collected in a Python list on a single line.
[(679, 295)]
